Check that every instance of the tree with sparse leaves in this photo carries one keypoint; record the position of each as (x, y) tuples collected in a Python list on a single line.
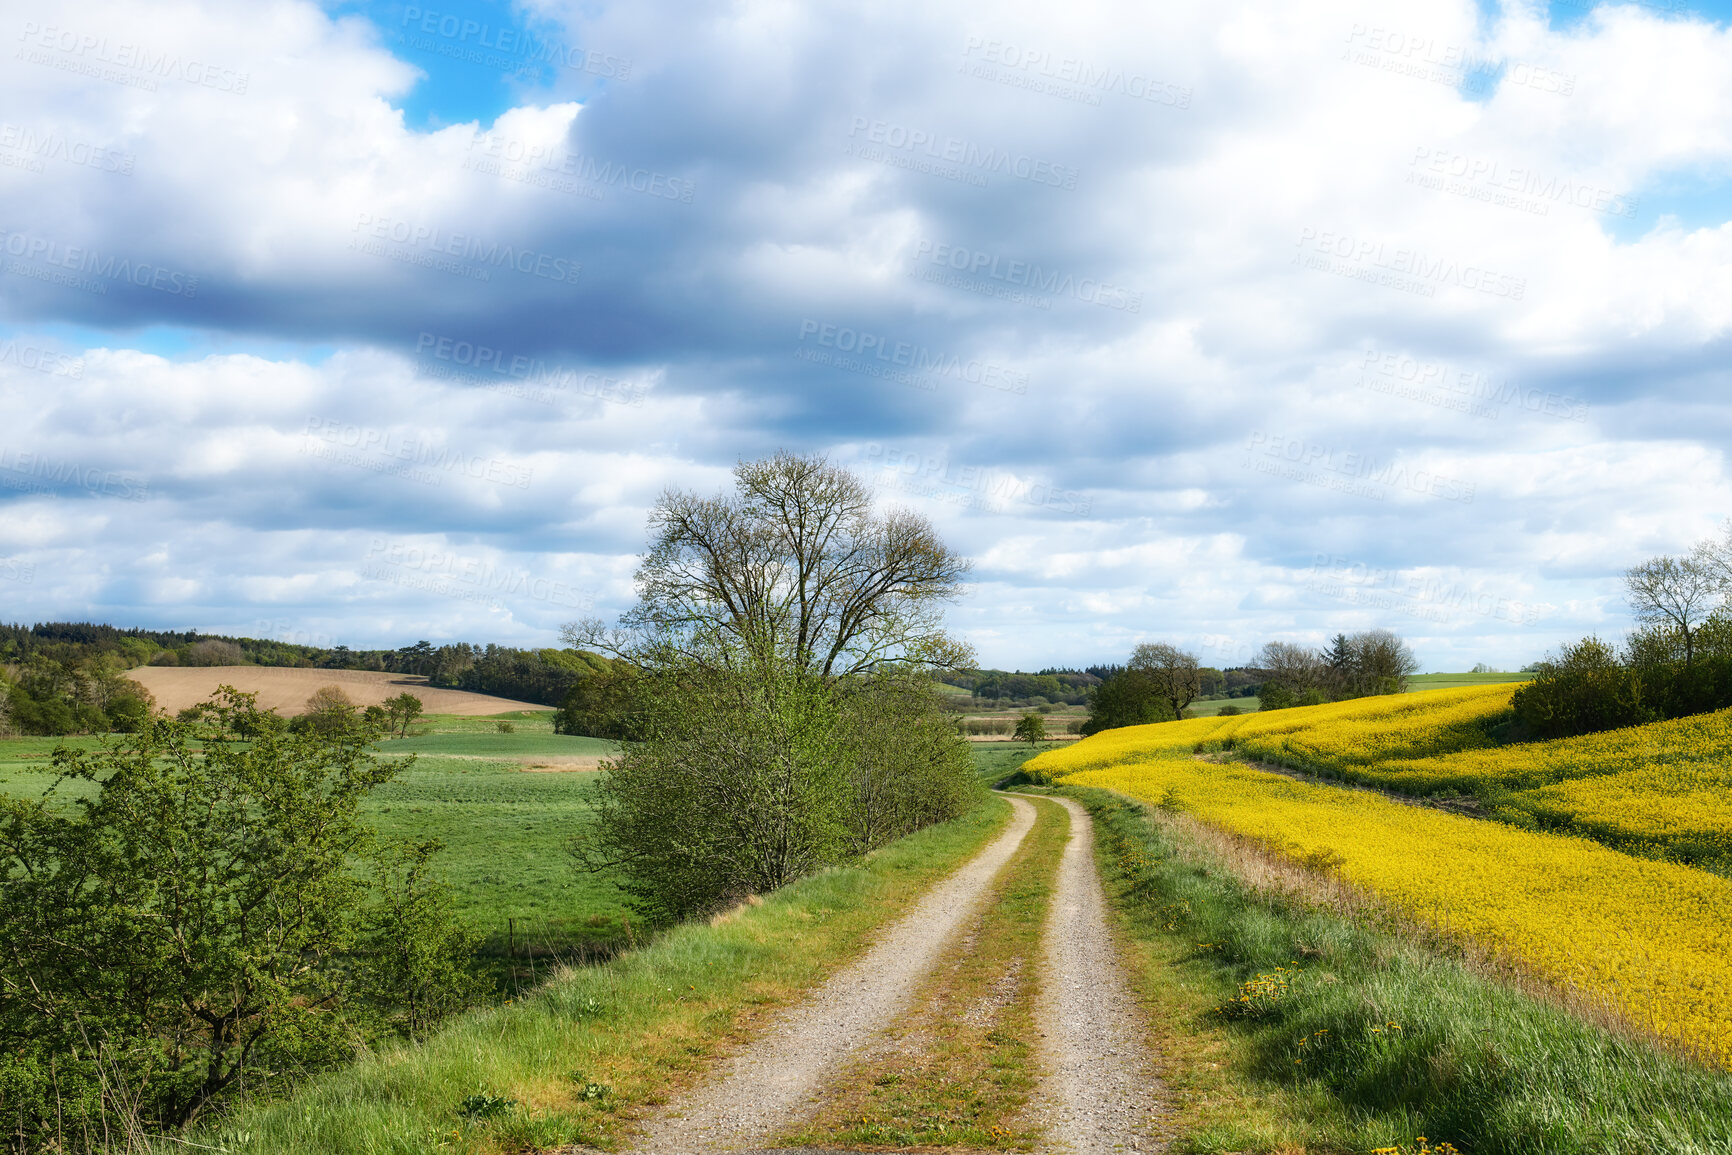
[(774, 692), (1676, 593), (401, 711), (794, 570)]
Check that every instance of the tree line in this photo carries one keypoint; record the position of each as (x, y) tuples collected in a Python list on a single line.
[(60, 678), (1676, 662), (1161, 680)]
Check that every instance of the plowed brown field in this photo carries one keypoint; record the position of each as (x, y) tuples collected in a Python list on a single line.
[(285, 690)]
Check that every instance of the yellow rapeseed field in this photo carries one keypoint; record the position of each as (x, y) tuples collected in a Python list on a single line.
[(1662, 790), (1340, 736), (1653, 938), (1654, 809)]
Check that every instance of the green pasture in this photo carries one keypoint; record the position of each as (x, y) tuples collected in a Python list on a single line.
[(1209, 707), (1446, 681), (504, 830)]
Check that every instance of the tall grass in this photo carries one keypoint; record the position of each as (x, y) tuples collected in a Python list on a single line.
[(1375, 1035), (581, 1057)]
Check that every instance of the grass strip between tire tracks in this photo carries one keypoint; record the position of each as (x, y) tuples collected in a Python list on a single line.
[(582, 1057), (955, 1070)]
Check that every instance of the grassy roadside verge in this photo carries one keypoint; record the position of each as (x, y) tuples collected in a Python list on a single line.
[(1344, 1033), (956, 1069), (580, 1058)]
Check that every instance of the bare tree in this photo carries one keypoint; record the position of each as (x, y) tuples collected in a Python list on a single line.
[(1298, 668), (1171, 671), (1679, 592), (1382, 662), (214, 652), (1714, 557), (792, 570)]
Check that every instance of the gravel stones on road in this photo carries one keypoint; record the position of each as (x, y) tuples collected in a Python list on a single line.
[(771, 1082), (1100, 1094)]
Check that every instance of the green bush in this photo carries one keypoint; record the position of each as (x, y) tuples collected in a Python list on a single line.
[(1125, 698), (600, 705), (1276, 696), (198, 925), (1584, 690), (979, 726), (740, 783), (1677, 682)]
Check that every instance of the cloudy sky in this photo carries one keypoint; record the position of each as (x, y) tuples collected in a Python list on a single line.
[(1217, 321)]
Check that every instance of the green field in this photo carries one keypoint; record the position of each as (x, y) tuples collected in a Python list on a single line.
[(640, 1025), (1445, 681), (1209, 707), (504, 830), (526, 743)]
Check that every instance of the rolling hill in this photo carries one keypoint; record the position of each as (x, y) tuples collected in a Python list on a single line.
[(285, 689)]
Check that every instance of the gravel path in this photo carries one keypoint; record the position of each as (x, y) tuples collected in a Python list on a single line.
[(1101, 1095), (772, 1082)]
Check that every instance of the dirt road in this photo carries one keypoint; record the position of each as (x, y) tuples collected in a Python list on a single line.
[(771, 1082), (1099, 1095)]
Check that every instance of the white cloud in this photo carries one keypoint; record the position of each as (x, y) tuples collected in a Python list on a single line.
[(1321, 189)]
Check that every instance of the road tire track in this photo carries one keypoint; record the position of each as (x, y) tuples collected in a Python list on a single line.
[(772, 1081), (1101, 1094)]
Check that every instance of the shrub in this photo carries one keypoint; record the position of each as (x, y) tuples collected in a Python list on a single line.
[(329, 711), (1677, 682), (979, 726), (212, 652), (198, 925), (741, 783), (599, 705), (1584, 690), (736, 788), (1126, 698)]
